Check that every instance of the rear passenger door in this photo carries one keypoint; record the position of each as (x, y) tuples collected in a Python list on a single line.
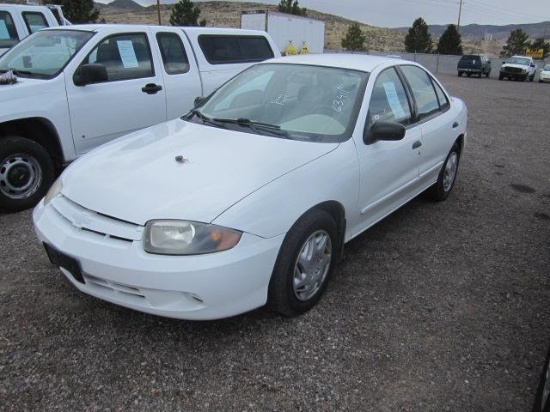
[(132, 98), (435, 119), (179, 70)]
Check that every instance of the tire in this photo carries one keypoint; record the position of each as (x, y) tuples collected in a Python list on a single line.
[(459, 74), (26, 173), (532, 78), (488, 74), (542, 397), (500, 77), (312, 243), (447, 176)]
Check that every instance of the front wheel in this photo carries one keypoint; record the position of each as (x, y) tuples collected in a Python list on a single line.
[(304, 264), (26, 173), (447, 176)]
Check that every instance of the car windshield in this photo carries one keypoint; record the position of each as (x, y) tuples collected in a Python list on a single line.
[(288, 100), (44, 54), (518, 60), (546, 68)]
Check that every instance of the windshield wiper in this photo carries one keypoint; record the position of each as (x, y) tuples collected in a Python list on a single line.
[(17, 72), (259, 127), (207, 120)]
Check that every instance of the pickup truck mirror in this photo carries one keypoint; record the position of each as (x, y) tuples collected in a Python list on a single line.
[(533, 65), (380, 130), (90, 73)]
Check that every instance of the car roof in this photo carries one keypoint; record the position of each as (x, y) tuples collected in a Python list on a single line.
[(140, 27), (361, 62)]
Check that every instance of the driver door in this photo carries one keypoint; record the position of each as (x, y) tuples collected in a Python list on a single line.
[(132, 98)]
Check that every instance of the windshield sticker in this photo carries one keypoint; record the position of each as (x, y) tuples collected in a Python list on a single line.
[(393, 100), (127, 53), (4, 30), (339, 102)]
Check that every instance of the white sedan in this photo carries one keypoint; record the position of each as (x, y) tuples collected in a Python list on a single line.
[(249, 199), (545, 74)]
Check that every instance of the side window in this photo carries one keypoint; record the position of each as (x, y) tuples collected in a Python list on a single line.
[(442, 97), (422, 89), (388, 100), (8, 33), (34, 21), (125, 57), (220, 49), (173, 53)]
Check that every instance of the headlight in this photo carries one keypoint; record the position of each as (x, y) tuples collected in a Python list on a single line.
[(179, 237), (55, 189)]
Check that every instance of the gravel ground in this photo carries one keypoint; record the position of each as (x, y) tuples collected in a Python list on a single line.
[(440, 307)]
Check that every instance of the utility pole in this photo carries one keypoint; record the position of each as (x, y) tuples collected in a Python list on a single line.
[(459, 13), (158, 10)]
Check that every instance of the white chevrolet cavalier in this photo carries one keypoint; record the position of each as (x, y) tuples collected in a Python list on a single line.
[(250, 197)]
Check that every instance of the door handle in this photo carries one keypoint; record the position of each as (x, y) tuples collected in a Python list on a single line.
[(417, 144), (151, 88), (455, 125)]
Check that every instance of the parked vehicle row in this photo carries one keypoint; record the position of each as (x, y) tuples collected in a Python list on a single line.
[(81, 86), (514, 68)]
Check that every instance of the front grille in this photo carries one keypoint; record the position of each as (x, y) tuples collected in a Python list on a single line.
[(513, 70), (94, 223)]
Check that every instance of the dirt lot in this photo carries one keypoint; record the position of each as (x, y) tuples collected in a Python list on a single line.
[(440, 307)]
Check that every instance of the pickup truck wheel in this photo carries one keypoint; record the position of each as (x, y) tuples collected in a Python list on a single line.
[(459, 74), (26, 173), (304, 264), (447, 176)]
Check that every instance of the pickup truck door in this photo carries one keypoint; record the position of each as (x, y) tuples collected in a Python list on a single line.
[(179, 71), (132, 98)]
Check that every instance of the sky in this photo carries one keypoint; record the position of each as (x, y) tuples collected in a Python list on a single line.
[(402, 13)]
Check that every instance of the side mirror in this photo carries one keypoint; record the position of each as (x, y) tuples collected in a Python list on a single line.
[(199, 101), (389, 131), (89, 74), (533, 65)]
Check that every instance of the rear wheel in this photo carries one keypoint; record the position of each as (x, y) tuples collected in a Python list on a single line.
[(26, 173), (304, 264), (447, 176)]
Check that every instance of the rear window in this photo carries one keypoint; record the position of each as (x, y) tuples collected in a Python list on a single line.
[(221, 49), (8, 33), (34, 21), (469, 57)]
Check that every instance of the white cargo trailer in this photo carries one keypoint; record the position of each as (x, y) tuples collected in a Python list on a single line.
[(286, 28)]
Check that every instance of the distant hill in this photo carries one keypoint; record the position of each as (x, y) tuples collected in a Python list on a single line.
[(119, 5), (477, 32)]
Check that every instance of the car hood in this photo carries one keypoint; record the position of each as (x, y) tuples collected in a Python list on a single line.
[(181, 170), (17, 95), (517, 66)]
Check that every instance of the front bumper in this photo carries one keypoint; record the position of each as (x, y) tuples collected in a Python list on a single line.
[(114, 267), (544, 77)]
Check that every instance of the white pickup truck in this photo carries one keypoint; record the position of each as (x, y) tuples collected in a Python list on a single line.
[(18, 21), (80, 86), (518, 68)]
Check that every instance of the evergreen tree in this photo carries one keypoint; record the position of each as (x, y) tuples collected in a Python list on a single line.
[(78, 11), (291, 7), (419, 39), (516, 43), (541, 44), (186, 13), (355, 38), (450, 41)]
